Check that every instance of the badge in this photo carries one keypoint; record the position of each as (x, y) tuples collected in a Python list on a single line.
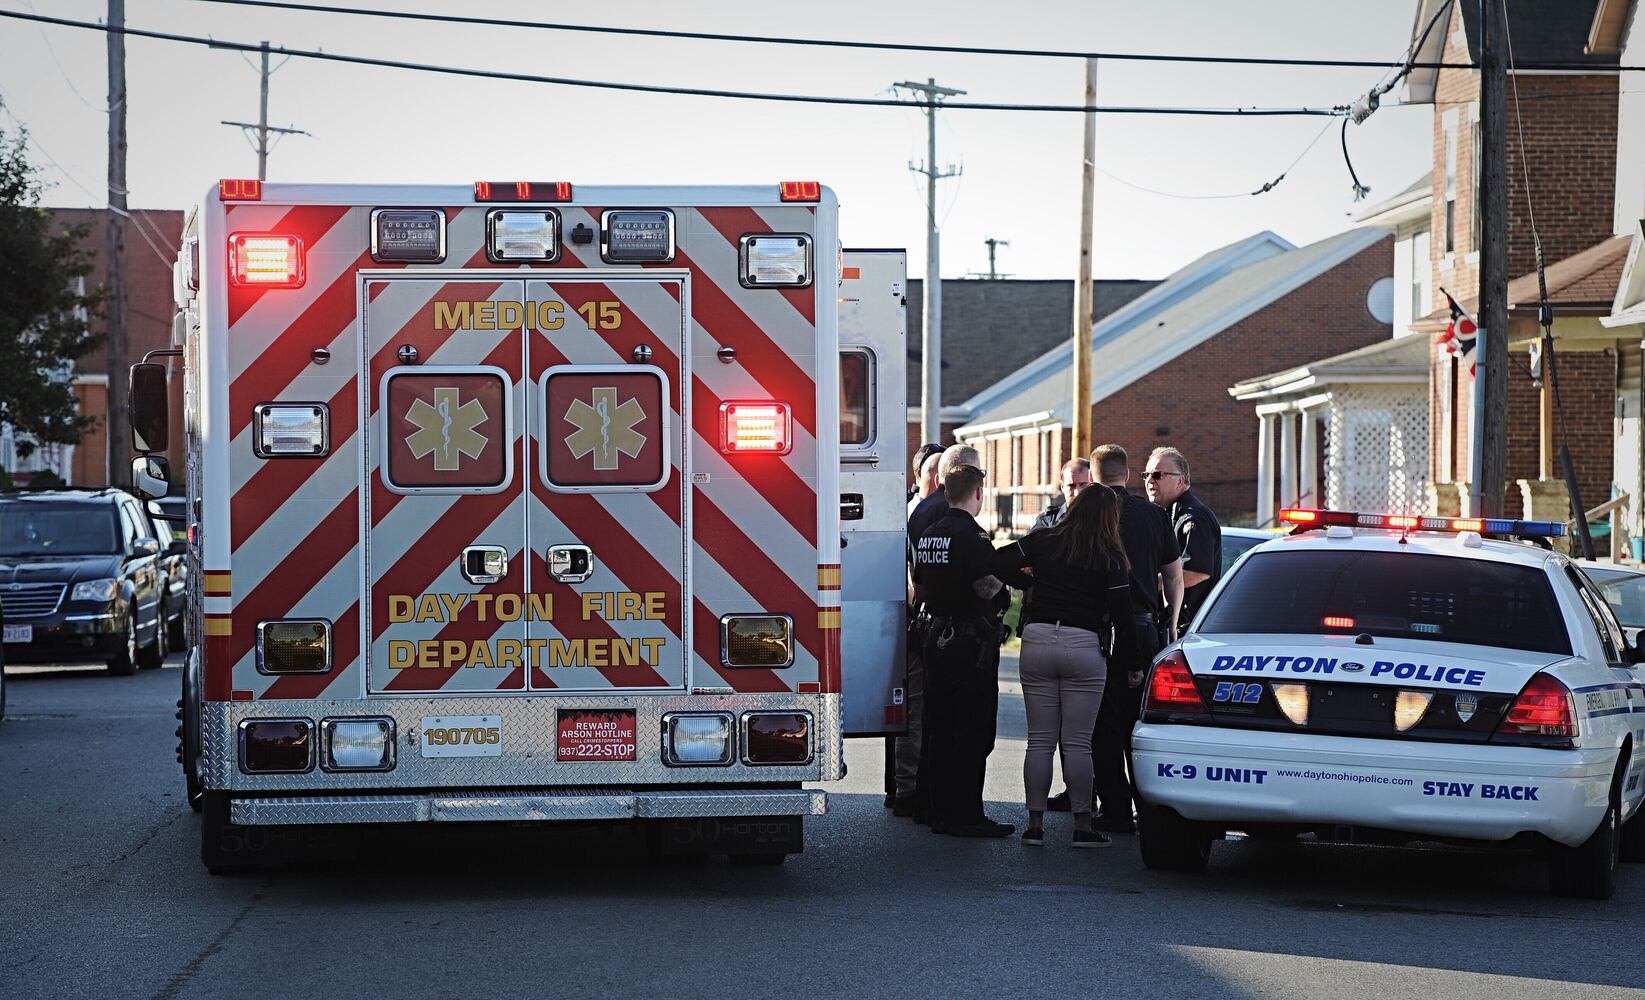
[(1467, 705), (1352, 668)]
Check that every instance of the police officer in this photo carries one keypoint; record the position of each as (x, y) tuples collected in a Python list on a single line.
[(1199, 534), (902, 765), (962, 652)]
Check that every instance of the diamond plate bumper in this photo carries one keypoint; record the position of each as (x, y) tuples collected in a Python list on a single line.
[(436, 807)]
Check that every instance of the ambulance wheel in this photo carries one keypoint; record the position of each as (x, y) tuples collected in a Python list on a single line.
[(124, 661), (1588, 871), (1171, 843), (188, 738), (768, 860)]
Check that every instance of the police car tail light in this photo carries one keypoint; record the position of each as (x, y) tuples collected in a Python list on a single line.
[(1545, 708), (1171, 688), (265, 260), (755, 428), (1292, 700)]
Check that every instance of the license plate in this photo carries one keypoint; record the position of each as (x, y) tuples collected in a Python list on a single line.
[(19, 633), (462, 736), (595, 735)]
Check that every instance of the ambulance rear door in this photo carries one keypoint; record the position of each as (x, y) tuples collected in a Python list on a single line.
[(873, 490), (607, 511)]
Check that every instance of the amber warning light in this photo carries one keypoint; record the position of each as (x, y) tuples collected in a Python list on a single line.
[(517, 191)]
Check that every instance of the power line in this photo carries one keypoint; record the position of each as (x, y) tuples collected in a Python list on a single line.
[(216, 43), (1264, 189), (838, 43)]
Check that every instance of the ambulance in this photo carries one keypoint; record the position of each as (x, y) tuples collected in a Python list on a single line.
[(528, 501)]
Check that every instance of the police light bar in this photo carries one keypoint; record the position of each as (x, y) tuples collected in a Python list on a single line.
[(800, 191), (239, 189), (265, 260), (522, 190), (755, 428), (1303, 519)]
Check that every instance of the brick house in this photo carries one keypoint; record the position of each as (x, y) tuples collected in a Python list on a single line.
[(993, 327), (149, 312), (1568, 120), (1162, 364)]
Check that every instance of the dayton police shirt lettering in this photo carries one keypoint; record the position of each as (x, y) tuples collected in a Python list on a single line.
[(932, 550)]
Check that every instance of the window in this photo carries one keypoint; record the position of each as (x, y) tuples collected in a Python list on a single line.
[(1450, 180), (1610, 634), (1397, 594), (1421, 275), (856, 395), (1625, 593), (29, 528)]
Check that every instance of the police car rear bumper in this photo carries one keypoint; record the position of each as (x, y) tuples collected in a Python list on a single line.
[(525, 806), (1488, 793)]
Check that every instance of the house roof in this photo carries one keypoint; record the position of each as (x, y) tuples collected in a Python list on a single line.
[(1410, 203), (1583, 284), (1187, 309), (1628, 307), (1397, 360), (1541, 31), (993, 327)]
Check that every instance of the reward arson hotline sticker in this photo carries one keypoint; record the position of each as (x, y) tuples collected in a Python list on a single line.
[(592, 735)]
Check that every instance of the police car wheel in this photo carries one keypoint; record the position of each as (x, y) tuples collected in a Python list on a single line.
[(1171, 843), (1588, 871)]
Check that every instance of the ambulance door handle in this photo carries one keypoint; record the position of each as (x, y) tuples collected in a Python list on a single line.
[(484, 564), (570, 563)]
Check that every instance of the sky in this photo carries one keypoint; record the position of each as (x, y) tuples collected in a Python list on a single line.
[(1021, 170)]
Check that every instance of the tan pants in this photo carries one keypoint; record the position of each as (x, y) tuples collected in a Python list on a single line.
[(1063, 672)]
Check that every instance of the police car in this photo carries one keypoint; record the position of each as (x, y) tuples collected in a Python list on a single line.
[(1393, 677)]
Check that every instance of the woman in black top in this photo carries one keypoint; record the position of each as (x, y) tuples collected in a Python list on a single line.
[(1081, 583)]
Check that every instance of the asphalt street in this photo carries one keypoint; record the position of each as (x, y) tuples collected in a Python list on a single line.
[(102, 895)]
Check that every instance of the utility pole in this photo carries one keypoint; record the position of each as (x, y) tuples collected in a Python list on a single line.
[(994, 244), (931, 326), (116, 424), (1490, 424), (1083, 305), (262, 128)]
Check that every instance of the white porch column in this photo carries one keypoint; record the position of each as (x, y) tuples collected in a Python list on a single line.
[(1308, 494), (1265, 469), (1287, 459)]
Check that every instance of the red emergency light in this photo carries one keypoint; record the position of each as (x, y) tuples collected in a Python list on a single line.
[(800, 191), (755, 428), (518, 191), (239, 189), (265, 260)]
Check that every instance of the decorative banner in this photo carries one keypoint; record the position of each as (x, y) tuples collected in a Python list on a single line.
[(447, 430), (604, 429)]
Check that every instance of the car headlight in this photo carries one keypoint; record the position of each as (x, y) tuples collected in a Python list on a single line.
[(95, 590)]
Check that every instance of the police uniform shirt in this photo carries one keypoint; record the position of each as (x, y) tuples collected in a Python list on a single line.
[(924, 513), (1145, 532), (1200, 536), (951, 556)]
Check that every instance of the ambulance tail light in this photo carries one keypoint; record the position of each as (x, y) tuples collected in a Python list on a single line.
[(757, 641), (756, 428), (1171, 690), (277, 746), (697, 739), (1545, 708), (800, 190), (265, 260), (294, 646), (239, 189), (776, 737)]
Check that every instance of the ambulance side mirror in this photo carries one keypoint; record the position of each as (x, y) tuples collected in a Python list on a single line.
[(150, 477), (147, 404)]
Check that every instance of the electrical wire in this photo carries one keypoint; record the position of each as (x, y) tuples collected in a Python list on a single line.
[(1264, 189), (710, 36), (215, 43)]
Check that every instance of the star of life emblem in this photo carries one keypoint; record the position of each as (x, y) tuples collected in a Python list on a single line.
[(447, 429), (605, 428)]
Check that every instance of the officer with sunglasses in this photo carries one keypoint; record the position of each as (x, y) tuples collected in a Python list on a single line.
[(1199, 534)]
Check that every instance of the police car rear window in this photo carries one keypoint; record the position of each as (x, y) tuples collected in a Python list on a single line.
[(1396, 594)]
